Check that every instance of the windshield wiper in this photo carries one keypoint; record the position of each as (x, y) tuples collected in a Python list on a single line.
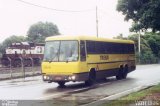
[(56, 55)]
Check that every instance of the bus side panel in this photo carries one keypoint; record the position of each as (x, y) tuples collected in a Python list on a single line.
[(82, 74), (107, 65)]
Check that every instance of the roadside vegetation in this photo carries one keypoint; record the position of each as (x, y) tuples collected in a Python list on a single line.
[(150, 96)]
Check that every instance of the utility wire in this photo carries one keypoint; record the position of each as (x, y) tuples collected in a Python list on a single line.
[(53, 9)]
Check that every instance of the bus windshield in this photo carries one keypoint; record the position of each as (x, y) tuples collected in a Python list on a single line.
[(61, 51)]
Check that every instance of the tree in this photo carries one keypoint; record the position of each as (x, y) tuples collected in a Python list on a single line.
[(153, 39), (12, 39), (120, 36), (39, 31), (144, 13)]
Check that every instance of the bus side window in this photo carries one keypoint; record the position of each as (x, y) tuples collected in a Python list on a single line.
[(82, 51)]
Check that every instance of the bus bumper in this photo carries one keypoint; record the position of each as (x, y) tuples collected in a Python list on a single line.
[(66, 78)]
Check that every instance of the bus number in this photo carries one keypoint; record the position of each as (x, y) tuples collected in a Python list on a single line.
[(104, 57)]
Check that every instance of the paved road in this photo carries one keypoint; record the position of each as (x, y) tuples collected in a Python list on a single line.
[(33, 88)]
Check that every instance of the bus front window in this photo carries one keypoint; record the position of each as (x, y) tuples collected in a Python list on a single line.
[(68, 51), (61, 51), (51, 51)]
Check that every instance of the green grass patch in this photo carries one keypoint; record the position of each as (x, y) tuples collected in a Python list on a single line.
[(131, 98)]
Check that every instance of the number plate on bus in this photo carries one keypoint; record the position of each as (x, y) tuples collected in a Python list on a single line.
[(58, 78)]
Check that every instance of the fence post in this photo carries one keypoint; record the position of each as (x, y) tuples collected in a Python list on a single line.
[(40, 59), (32, 65), (22, 65), (10, 66)]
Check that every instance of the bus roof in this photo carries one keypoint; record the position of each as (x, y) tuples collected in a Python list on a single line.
[(82, 37)]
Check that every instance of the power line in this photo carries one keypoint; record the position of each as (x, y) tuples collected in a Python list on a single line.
[(53, 9)]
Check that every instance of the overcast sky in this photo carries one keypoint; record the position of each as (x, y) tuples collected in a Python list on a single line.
[(16, 17)]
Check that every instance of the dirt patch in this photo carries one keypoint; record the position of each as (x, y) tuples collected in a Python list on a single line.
[(153, 96)]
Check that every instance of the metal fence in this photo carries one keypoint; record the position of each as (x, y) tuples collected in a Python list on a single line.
[(10, 72)]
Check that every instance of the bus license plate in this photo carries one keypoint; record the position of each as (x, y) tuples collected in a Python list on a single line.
[(58, 78)]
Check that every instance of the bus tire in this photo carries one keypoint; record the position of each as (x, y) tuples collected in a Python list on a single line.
[(61, 84), (125, 72), (92, 78), (119, 76)]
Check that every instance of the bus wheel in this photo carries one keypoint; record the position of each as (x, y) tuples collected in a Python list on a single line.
[(125, 72), (61, 83), (120, 74), (92, 78)]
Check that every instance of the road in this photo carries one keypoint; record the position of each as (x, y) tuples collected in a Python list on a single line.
[(33, 88)]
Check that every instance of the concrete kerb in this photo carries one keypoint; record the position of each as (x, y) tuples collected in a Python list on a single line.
[(121, 94)]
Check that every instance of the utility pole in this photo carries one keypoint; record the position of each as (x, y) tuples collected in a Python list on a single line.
[(97, 20), (139, 46)]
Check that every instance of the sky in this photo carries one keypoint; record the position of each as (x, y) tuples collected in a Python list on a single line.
[(16, 17)]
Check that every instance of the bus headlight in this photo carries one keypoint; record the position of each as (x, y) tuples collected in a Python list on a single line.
[(69, 78), (44, 77), (73, 77)]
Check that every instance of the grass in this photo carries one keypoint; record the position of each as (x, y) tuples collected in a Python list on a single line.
[(133, 97)]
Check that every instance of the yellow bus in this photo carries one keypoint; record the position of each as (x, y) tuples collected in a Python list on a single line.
[(86, 58)]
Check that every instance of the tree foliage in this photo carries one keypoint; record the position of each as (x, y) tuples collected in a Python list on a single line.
[(120, 36), (39, 31), (144, 13), (153, 39)]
